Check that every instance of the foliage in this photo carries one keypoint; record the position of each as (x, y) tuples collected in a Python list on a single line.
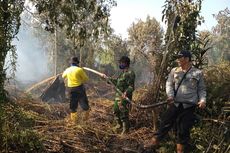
[(80, 19), (221, 37), (10, 11), (13, 122), (16, 130), (218, 86), (210, 137), (145, 42), (108, 52), (79, 24), (211, 133), (182, 18), (201, 46)]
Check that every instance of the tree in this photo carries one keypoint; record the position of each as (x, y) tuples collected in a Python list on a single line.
[(10, 11), (81, 20), (109, 51), (201, 45), (221, 37), (145, 42), (182, 18)]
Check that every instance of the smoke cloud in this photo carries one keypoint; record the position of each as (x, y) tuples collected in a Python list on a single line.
[(32, 62)]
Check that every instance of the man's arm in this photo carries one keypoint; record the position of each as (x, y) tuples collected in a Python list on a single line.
[(131, 83), (64, 74), (170, 85), (201, 92)]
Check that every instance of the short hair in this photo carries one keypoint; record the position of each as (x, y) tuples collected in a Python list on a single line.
[(74, 60)]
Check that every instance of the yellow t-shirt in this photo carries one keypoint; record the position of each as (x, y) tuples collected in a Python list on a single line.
[(75, 76)]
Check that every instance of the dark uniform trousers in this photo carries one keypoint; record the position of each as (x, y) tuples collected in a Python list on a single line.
[(77, 96), (181, 118)]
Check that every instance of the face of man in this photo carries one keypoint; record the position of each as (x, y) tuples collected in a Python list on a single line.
[(183, 61), (122, 65)]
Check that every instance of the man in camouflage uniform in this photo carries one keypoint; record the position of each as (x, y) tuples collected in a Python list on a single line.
[(125, 83), (185, 89)]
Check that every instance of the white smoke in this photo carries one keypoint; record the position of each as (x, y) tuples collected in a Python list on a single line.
[(32, 61)]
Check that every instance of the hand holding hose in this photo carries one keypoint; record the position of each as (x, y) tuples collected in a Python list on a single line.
[(170, 100), (104, 76), (201, 104)]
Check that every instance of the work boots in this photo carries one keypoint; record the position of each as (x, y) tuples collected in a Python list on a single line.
[(73, 118), (118, 124), (125, 127)]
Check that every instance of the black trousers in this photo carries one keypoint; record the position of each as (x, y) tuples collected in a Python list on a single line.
[(77, 96), (182, 119)]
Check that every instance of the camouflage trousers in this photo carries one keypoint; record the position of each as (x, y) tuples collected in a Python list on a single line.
[(121, 111)]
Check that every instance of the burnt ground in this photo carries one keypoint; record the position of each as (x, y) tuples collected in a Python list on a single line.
[(96, 134)]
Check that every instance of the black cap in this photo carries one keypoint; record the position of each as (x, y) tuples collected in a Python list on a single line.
[(74, 60), (184, 53)]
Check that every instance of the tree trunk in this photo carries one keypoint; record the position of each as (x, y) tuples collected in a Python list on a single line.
[(3, 45)]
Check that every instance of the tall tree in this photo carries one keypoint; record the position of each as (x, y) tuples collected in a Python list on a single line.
[(109, 51), (10, 11), (81, 20), (221, 35), (182, 18), (145, 41)]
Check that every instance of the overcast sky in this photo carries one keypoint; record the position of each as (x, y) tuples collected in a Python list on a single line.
[(128, 11)]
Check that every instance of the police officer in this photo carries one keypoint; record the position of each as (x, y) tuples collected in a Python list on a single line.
[(185, 89), (125, 83)]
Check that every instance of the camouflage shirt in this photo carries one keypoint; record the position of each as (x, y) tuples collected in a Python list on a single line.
[(125, 83)]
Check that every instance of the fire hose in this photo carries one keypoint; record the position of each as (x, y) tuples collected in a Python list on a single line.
[(140, 106), (109, 81)]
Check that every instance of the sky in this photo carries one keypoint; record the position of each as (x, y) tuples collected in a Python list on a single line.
[(128, 11)]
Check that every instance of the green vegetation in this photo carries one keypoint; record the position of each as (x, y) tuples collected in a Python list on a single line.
[(10, 11), (16, 132), (81, 28)]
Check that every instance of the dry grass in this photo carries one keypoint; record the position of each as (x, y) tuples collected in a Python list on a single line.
[(95, 135)]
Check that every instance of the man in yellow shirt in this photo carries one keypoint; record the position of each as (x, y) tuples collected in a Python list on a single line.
[(76, 77)]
